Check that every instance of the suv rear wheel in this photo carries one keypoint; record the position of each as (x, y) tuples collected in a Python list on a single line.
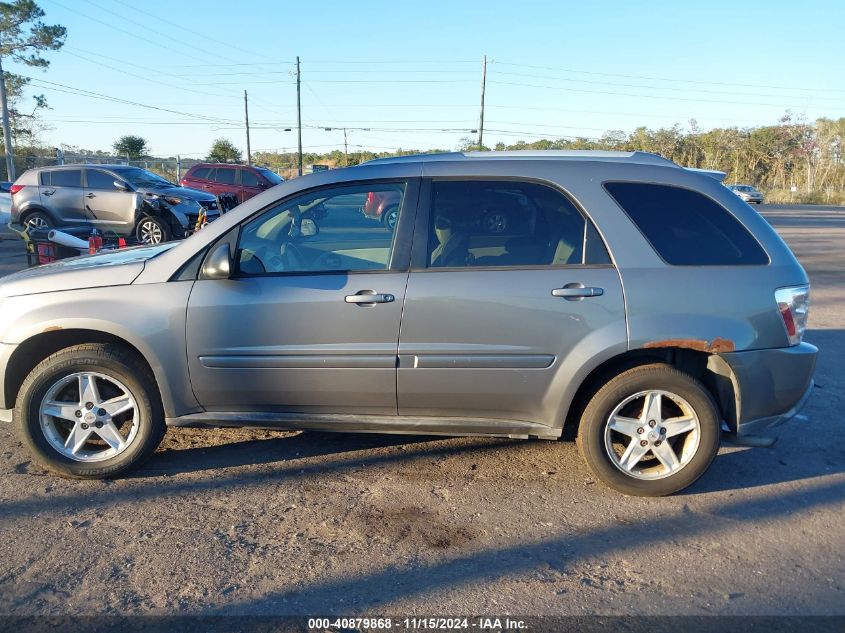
[(38, 220), (650, 431), (90, 411)]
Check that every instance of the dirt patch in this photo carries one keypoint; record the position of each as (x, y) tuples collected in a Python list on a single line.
[(415, 525)]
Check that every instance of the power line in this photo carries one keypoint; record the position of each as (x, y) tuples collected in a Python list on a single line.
[(652, 78), (96, 5), (181, 27), (143, 78), (651, 87), (96, 95), (641, 96), (125, 31)]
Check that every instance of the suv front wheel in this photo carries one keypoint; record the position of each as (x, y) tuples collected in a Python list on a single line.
[(90, 411), (153, 230), (650, 431)]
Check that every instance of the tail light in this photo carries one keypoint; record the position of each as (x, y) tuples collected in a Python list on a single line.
[(794, 307), (371, 196), (15, 188)]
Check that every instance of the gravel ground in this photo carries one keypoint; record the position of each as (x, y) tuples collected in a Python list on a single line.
[(255, 522)]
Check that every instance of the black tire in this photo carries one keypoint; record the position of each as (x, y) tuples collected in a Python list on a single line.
[(658, 376), (390, 217), (38, 218), (153, 230), (110, 360)]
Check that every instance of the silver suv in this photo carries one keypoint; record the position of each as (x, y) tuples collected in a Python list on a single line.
[(639, 304), (112, 198)]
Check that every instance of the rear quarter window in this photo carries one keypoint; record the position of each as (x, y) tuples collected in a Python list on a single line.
[(685, 227), (201, 173)]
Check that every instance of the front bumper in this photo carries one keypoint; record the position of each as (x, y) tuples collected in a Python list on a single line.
[(771, 385)]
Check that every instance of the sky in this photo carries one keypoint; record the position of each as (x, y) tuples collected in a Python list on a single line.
[(401, 74)]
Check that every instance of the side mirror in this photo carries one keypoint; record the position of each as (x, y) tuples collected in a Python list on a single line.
[(120, 186), (218, 265), (308, 227)]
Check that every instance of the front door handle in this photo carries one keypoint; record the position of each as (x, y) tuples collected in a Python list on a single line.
[(577, 291), (368, 298), (90, 195)]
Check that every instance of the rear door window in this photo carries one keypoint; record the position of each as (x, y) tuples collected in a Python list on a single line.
[(483, 223), (226, 176), (201, 173), (67, 178), (687, 228)]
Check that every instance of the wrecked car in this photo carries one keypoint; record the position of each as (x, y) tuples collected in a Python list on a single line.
[(115, 199)]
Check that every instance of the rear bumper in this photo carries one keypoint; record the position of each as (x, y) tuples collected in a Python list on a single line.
[(771, 385)]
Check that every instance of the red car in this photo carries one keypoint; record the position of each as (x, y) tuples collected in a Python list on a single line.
[(244, 181), (383, 206)]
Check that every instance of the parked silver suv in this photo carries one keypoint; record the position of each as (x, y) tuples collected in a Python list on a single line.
[(640, 304), (113, 198)]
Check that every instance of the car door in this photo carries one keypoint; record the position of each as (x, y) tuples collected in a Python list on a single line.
[(61, 193), (225, 181), (491, 318), (309, 320), (109, 207), (251, 185)]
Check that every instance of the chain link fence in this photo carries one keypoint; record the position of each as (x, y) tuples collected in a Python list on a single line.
[(170, 168)]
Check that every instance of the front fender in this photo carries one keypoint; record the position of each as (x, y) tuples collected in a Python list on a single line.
[(151, 318)]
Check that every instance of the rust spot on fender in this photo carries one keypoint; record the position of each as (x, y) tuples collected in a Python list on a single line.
[(718, 345), (53, 328)]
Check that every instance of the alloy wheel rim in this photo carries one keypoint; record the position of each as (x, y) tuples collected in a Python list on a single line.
[(150, 233), (37, 222), (652, 434), (496, 223), (391, 218), (89, 417)]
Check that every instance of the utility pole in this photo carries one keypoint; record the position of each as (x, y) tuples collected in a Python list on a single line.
[(483, 88), (345, 150), (7, 129), (298, 115), (246, 121)]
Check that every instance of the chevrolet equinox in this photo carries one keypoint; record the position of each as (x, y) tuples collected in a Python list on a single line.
[(641, 306)]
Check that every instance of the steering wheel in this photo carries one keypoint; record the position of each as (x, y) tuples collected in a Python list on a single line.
[(292, 258)]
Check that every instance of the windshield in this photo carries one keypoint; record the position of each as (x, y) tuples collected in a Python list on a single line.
[(745, 188), (274, 179), (138, 177)]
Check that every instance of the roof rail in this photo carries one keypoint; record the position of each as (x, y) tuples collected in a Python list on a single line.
[(645, 158)]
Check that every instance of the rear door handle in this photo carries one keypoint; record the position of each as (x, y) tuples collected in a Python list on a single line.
[(49, 192), (577, 291), (90, 195), (369, 297)]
